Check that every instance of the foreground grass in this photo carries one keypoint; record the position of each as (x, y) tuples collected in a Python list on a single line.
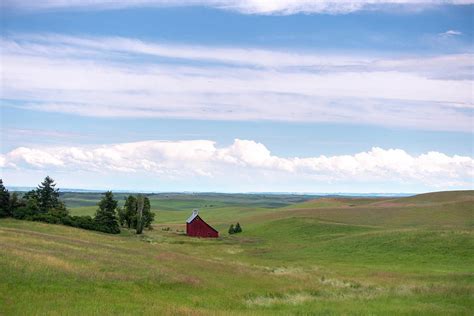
[(303, 260)]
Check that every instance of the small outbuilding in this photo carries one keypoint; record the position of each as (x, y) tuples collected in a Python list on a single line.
[(197, 227)]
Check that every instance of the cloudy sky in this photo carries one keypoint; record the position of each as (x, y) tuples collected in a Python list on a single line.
[(238, 96)]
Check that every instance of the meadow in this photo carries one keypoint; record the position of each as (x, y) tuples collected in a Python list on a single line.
[(298, 255)]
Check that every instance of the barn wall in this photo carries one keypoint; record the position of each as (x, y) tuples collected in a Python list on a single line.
[(198, 228)]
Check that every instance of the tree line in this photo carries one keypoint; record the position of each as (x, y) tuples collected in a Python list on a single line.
[(44, 205)]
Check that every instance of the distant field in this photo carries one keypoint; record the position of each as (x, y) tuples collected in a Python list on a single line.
[(296, 255), (187, 201)]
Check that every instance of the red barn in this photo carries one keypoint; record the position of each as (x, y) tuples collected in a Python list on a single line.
[(197, 227)]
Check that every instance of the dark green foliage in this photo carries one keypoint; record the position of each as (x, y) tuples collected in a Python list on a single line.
[(23, 212), (238, 229), (47, 218), (44, 205), (59, 211), (43, 200), (84, 222), (148, 215), (30, 208), (4, 201), (15, 202), (130, 217), (48, 196), (130, 211), (121, 216), (105, 217)]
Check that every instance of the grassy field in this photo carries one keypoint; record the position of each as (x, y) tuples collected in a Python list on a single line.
[(297, 255)]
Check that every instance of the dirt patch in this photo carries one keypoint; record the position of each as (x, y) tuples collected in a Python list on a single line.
[(286, 299)]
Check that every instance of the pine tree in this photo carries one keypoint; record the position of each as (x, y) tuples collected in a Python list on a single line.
[(32, 201), (15, 202), (121, 216), (148, 215), (231, 229), (105, 218), (48, 196), (130, 211), (238, 229), (5, 209)]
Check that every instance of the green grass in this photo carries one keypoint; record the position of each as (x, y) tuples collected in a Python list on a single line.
[(405, 256)]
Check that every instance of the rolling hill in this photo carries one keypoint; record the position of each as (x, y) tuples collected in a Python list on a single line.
[(412, 256)]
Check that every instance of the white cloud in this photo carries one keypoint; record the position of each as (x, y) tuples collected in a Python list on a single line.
[(451, 33), (98, 77), (244, 158), (282, 7)]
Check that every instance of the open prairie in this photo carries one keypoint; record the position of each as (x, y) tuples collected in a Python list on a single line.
[(296, 255)]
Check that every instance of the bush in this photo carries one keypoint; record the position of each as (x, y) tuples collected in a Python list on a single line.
[(46, 218), (84, 222), (23, 212), (236, 229)]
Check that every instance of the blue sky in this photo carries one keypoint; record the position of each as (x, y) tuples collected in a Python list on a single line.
[(238, 95)]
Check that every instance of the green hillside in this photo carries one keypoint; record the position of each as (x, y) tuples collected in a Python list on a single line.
[(439, 197), (408, 256)]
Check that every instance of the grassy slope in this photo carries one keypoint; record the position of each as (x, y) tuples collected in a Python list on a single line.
[(405, 256)]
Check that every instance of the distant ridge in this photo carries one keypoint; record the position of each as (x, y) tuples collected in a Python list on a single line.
[(316, 194)]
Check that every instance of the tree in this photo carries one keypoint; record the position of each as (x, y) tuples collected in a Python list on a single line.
[(137, 213), (48, 196), (5, 209), (130, 211), (140, 204), (105, 218), (121, 216), (28, 206), (148, 215), (238, 229), (15, 202), (59, 210), (231, 229)]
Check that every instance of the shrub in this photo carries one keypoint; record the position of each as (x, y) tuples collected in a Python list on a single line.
[(238, 229), (23, 212), (84, 222), (46, 218)]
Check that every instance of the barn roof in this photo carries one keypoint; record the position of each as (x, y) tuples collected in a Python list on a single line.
[(193, 216)]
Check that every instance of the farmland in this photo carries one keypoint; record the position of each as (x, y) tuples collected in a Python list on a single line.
[(296, 255)]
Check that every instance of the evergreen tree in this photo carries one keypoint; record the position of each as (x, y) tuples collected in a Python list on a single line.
[(238, 229), (105, 218), (59, 210), (5, 209), (148, 215), (130, 211), (28, 206), (231, 229), (15, 202), (48, 196), (121, 216)]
